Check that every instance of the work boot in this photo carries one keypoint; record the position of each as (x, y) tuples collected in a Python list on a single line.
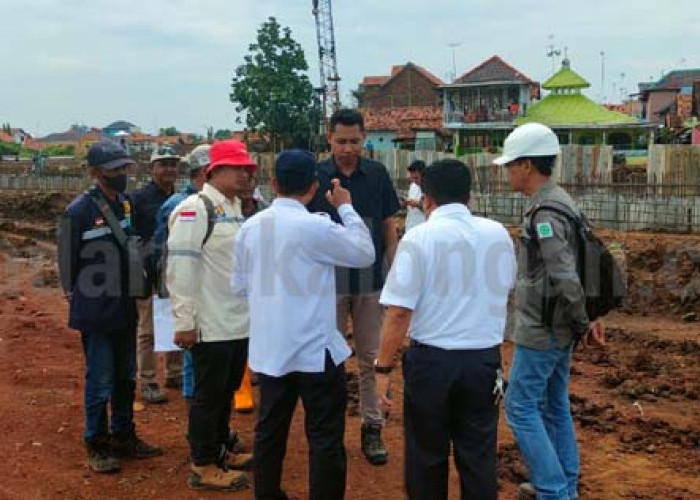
[(151, 393), (526, 491), (213, 477), (239, 461), (372, 445), (129, 445), (100, 458), (173, 383)]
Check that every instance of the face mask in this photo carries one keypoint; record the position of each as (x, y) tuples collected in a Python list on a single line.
[(117, 183)]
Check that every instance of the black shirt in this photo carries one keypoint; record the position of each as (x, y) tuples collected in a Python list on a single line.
[(374, 198)]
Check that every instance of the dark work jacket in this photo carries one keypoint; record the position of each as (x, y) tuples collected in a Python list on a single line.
[(374, 199), (93, 267)]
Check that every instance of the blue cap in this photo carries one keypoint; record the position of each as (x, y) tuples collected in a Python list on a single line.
[(296, 163), (108, 155)]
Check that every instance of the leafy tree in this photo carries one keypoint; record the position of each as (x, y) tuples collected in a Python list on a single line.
[(169, 131), (222, 134), (272, 88)]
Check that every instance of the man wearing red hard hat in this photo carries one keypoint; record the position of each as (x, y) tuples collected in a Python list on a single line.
[(210, 320)]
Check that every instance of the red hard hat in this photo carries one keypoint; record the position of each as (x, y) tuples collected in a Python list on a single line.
[(230, 153)]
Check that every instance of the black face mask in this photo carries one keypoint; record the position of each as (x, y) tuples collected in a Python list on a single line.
[(117, 183)]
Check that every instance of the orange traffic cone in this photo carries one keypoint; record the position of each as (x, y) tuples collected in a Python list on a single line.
[(243, 399)]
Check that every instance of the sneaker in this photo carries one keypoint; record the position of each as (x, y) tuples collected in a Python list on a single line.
[(100, 458), (173, 383), (129, 445), (239, 461), (151, 393), (372, 445), (213, 477), (526, 491)]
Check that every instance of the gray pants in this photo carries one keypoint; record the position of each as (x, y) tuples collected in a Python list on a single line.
[(366, 314), (146, 358)]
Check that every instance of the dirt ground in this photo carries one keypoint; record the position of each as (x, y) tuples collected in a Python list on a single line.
[(635, 402)]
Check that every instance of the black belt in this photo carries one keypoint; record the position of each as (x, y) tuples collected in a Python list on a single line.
[(415, 343), (421, 345)]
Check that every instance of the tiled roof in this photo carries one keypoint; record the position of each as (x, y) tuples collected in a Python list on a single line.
[(74, 134), (120, 125), (403, 119), (679, 78), (493, 69), (5, 137), (570, 109), (396, 70)]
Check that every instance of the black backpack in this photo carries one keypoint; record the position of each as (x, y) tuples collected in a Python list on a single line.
[(599, 272), (163, 260)]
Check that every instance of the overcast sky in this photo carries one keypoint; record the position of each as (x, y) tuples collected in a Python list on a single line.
[(158, 63)]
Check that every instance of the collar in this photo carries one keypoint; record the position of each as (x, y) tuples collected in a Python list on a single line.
[(361, 167), (189, 189), (288, 203), (542, 191), (445, 211), (217, 197), (156, 187)]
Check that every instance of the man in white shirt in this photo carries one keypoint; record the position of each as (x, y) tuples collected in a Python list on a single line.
[(209, 319), (414, 200), (448, 286), (284, 261)]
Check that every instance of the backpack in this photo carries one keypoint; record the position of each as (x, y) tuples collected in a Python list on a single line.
[(598, 270), (163, 260)]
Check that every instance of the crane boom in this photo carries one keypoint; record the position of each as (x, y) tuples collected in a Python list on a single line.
[(328, 64)]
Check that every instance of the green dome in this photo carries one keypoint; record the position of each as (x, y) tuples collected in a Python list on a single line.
[(565, 78), (571, 109)]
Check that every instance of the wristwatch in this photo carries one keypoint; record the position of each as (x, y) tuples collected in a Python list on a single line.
[(384, 370)]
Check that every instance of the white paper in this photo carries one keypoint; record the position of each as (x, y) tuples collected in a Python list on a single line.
[(163, 325)]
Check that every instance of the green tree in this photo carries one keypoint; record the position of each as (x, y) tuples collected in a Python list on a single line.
[(272, 89), (169, 131), (223, 133)]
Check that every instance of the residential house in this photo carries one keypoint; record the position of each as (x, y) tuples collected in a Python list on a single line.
[(669, 101), (402, 110), (481, 106), (578, 120)]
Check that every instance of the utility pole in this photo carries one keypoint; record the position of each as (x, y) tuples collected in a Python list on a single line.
[(602, 76)]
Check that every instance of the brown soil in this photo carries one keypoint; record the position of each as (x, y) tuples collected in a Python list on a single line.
[(635, 402)]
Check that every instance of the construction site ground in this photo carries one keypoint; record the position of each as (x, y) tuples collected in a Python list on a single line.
[(635, 402)]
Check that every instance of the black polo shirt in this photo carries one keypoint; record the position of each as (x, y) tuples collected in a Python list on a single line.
[(374, 198)]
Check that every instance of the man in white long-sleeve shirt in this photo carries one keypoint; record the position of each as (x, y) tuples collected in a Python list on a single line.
[(284, 260)]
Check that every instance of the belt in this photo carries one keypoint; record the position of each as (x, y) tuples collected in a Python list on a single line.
[(420, 345)]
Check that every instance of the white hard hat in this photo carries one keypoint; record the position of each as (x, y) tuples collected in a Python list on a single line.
[(164, 153), (531, 139)]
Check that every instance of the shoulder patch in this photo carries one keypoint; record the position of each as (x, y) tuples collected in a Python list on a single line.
[(187, 216), (544, 230)]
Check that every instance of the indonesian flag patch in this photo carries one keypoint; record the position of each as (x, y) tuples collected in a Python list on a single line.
[(187, 216)]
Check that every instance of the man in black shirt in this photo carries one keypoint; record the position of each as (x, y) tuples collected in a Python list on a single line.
[(375, 199), (147, 201)]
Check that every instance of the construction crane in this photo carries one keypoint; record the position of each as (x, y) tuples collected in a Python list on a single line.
[(328, 64)]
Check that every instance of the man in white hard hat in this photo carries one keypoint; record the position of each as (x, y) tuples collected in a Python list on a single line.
[(550, 313)]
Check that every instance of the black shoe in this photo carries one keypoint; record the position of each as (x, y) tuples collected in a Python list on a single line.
[(372, 445), (129, 445), (100, 457)]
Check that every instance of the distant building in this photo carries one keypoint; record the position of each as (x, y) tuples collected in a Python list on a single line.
[(402, 110), (115, 128), (669, 101), (481, 106)]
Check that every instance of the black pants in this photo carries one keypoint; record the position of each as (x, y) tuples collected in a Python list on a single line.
[(448, 398), (218, 371), (324, 396)]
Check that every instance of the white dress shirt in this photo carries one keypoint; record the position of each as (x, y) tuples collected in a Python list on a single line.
[(284, 261), (199, 278), (414, 216), (454, 272)]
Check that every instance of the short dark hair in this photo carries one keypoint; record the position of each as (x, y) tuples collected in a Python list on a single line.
[(348, 117), (417, 166), (543, 164), (293, 183), (447, 181), (194, 172)]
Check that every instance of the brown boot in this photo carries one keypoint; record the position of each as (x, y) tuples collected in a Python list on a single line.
[(239, 461), (213, 477)]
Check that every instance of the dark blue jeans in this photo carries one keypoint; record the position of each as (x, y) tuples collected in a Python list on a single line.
[(110, 374)]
